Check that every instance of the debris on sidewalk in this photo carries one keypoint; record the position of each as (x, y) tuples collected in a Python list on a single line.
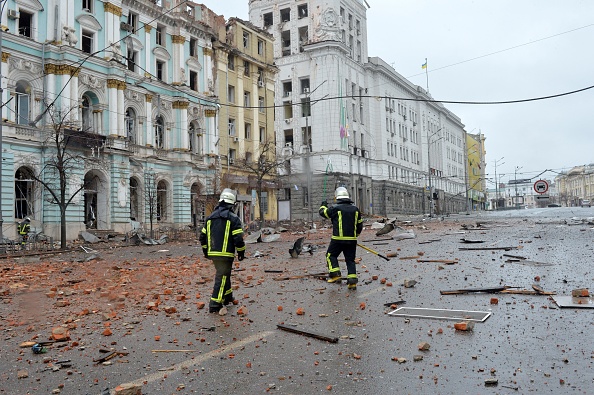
[(307, 333), (445, 261), (464, 326), (471, 241), (297, 247), (444, 314)]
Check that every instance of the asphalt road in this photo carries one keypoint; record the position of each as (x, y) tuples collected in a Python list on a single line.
[(528, 344)]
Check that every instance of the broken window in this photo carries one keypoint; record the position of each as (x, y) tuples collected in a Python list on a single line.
[(302, 11), (286, 42), (305, 85), (285, 15), (23, 191), (161, 201), (22, 102), (287, 88), (289, 138), (159, 35), (246, 39), (87, 42), (193, 80), (130, 123), (134, 199), (159, 132), (268, 21), (87, 114), (246, 99), (303, 37), (261, 104), (231, 94), (260, 47), (246, 68), (231, 62), (160, 70), (232, 156), (248, 131), (231, 127), (193, 46), (87, 5), (263, 134), (305, 107), (25, 24), (288, 109)]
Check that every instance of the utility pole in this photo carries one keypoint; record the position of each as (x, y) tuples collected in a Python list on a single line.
[(497, 183), (516, 185), (309, 147)]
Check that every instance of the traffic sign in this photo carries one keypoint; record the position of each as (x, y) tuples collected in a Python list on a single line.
[(541, 186)]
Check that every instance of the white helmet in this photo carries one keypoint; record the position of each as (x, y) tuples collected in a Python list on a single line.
[(227, 196), (28, 219), (341, 193)]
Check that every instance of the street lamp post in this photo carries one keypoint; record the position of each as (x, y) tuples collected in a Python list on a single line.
[(309, 146), (497, 183), (516, 185), (429, 173)]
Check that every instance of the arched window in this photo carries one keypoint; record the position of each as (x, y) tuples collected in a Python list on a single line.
[(162, 201), (130, 121), (159, 132), (24, 193), (22, 103), (134, 199), (87, 114)]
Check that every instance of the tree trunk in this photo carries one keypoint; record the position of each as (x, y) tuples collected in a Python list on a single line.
[(62, 228), (260, 205)]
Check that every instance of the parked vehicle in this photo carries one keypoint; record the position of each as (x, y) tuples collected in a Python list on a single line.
[(586, 203)]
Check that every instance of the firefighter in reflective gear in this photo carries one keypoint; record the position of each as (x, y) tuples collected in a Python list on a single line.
[(221, 235), (347, 224), (24, 228)]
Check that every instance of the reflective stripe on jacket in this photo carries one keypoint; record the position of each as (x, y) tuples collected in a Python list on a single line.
[(24, 228), (222, 233), (346, 219)]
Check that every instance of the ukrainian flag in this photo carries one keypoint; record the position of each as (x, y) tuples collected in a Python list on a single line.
[(424, 65)]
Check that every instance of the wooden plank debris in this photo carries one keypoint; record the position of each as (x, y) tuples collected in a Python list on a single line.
[(470, 241), (514, 256), (474, 290), (486, 248), (307, 333), (446, 261)]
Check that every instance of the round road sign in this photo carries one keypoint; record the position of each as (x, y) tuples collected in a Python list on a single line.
[(541, 186)]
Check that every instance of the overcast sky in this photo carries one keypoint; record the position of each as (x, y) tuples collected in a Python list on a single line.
[(495, 51)]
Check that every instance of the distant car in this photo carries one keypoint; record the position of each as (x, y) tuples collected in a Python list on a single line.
[(586, 203), (554, 205)]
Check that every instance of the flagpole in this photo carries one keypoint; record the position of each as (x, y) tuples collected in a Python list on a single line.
[(427, 73)]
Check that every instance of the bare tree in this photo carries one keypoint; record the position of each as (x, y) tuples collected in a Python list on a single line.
[(150, 198), (63, 158), (263, 167)]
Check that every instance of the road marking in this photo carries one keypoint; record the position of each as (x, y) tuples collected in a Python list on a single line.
[(198, 360)]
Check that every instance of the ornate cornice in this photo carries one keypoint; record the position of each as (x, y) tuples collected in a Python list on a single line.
[(182, 105), (112, 83), (112, 9), (178, 39), (62, 69), (121, 85)]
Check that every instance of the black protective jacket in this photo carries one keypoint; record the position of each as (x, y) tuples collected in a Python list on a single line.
[(346, 219), (222, 233)]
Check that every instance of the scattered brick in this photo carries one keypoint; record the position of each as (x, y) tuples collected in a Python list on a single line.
[(464, 326)]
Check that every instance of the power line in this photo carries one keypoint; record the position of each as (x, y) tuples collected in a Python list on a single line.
[(504, 50)]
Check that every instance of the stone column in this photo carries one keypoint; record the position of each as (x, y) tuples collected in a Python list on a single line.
[(113, 13), (74, 103), (4, 82), (112, 94), (121, 129), (149, 66), (179, 68), (183, 138), (150, 138)]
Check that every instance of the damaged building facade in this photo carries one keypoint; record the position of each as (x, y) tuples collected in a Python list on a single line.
[(131, 84), (345, 119)]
